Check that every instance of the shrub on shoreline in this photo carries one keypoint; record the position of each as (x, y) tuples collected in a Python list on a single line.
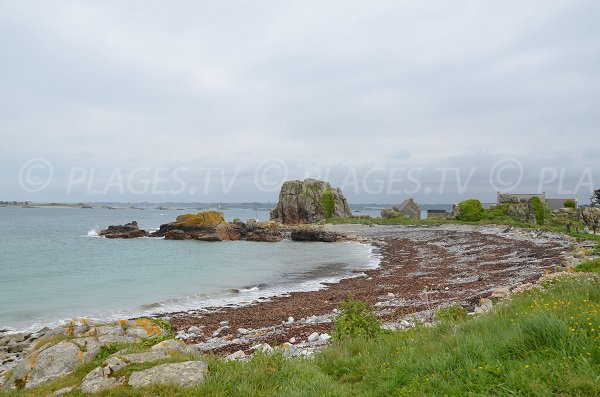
[(356, 319), (470, 211)]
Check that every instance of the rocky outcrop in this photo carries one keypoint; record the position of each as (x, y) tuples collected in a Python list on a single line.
[(59, 351), (129, 230), (183, 374), (201, 226), (112, 371), (589, 215), (309, 201), (263, 232), (312, 233), (522, 211), (211, 226)]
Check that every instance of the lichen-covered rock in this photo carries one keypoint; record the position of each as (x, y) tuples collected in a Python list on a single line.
[(172, 346), (302, 202), (47, 363), (98, 380), (204, 219), (56, 359), (204, 226), (129, 230), (183, 374)]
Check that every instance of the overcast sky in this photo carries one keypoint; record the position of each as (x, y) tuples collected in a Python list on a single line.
[(222, 100)]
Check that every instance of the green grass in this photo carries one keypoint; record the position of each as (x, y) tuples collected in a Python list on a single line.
[(589, 266), (541, 342)]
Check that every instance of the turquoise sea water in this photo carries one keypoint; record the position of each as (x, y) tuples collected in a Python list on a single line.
[(54, 267)]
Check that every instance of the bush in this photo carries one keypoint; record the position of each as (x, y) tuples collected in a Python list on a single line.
[(452, 313), (499, 211), (538, 208), (356, 319), (471, 211), (569, 204), (328, 201)]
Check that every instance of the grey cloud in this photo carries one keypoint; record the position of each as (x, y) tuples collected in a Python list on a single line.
[(315, 84)]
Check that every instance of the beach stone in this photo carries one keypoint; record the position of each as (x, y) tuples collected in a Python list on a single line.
[(290, 320), (182, 335), (208, 345), (313, 337), (405, 323), (97, 380), (224, 323), (292, 340), (238, 355), (287, 349), (500, 292), (62, 391), (183, 374), (324, 337), (221, 329), (243, 331), (12, 339), (263, 348), (17, 347), (194, 330), (171, 345)]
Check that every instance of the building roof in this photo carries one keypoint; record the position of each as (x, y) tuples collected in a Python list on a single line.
[(409, 205)]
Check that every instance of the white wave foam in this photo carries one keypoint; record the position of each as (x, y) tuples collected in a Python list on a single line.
[(92, 233)]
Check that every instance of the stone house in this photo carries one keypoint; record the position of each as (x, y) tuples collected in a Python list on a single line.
[(409, 209), (553, 203)]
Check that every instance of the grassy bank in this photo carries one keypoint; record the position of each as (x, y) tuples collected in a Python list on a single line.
[(542, 342)]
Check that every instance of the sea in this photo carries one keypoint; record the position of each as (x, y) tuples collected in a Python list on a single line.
[(54, 267)]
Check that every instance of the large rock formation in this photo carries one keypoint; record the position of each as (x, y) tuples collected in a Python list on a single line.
[(307, 202), (211, 226), (129, 230), (201, 226)]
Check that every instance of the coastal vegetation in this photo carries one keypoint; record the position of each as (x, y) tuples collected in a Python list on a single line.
[(328, 201), (356, 319), (471, 211), (541, 341), (570, 204)]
